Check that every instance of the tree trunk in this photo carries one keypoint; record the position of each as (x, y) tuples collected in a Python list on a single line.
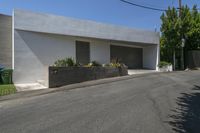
[(174, 59)]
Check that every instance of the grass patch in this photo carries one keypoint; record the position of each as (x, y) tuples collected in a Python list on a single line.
[(7, 89)]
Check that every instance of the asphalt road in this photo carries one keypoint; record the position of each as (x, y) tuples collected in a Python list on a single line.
[(156, 103)]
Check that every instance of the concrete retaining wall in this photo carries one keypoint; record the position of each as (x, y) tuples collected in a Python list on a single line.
[(59, 76), (6, 41)]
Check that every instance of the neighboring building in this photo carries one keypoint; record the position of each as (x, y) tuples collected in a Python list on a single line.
[(40, 39), (6, 41)]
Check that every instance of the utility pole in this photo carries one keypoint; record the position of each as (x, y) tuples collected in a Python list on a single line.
[(182, 37), (174, 52), (180, 6)]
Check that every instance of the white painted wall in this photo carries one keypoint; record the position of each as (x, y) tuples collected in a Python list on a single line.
[(151, 57), (47, 23), (34, 51), (100, 51)]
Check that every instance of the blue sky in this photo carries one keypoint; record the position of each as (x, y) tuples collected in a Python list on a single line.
[(107, 11)]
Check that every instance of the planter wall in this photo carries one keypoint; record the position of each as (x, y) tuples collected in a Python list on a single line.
[(59, 76)]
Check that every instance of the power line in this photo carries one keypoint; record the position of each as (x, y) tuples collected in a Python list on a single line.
[(147, 7), (143, 6)]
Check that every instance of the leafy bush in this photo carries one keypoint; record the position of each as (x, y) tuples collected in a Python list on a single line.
[(60, 63), (115, 60), (163, 64), (77, 64), (70, 62), (105, 65), (115, 63), (93, 64), (65, 62)]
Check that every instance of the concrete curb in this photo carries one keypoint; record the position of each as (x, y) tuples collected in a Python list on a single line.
[(27, 94)]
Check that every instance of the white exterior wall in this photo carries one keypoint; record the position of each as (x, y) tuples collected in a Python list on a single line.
[(40, 39), (35, 51), (100, 51), (151, 57), (47, 23)]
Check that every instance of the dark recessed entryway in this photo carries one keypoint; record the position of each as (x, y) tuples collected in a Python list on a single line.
[(132, 57), (82, 52)]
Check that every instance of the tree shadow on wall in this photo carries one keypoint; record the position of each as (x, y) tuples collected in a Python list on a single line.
[(186, 118)]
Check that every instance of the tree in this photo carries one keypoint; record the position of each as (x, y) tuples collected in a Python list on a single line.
[(169, 34), (193, 41), (174, 28)]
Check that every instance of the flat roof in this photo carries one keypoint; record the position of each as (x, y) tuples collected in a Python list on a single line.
[(47, 23)]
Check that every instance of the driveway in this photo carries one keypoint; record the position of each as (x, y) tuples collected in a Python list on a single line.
[(140, 71), (155, 103)]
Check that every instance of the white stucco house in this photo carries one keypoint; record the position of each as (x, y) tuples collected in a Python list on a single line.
[(38, 40)]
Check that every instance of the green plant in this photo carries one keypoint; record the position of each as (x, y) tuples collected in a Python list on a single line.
[(163, 64), (115, 63), (115, 60), (65, 62), (105, 65), (93, 64), (70, 62), (7, 89), (77, 64), (60, 63), (174, 28)]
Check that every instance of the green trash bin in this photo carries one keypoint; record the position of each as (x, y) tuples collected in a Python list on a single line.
[(6, 76), (1, 70)]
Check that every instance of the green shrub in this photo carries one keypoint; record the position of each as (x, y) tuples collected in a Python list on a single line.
[(163, 64), (70, 62), (93, 64), (115, 63), (60, 63), (105, 65), (77, 64), (65, 62)]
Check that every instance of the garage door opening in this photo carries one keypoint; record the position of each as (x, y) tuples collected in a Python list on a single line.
[(131, 57)]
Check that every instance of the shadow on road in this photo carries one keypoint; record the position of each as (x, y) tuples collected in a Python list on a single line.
[(186, 118)]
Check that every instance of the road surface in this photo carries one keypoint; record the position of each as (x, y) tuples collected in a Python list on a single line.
[(155, 103)]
